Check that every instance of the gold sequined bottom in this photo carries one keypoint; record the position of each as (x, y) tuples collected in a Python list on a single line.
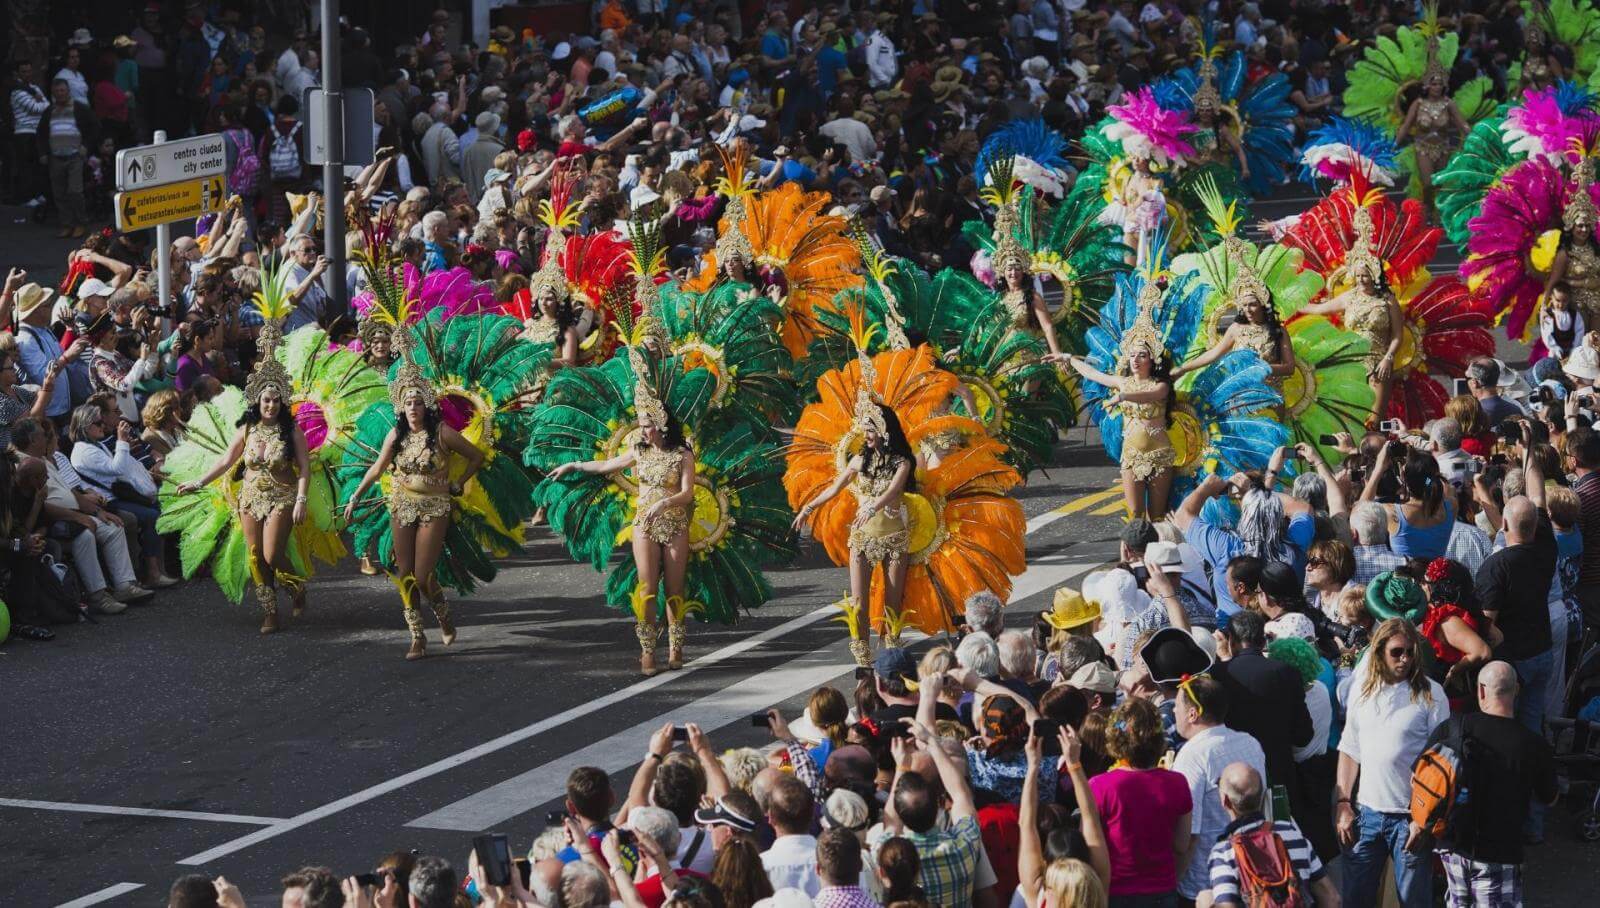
[(409, 508), (1146, 450), (665, 526), (882, 538), (1434, 149), (260, 495)]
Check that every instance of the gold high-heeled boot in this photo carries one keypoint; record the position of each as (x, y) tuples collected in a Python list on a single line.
[(407, 586), (851, 613), (441, 610), (678, 611), (645, 629), (296, 587), (268, 597)]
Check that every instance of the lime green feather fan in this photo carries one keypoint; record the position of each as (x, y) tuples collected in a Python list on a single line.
[(732, 331), (484, 373), (209, 533), (1328, 391), (332, 387), (741, 518), (1575, 25)]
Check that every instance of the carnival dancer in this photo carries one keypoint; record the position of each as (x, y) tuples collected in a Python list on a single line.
[(275, 474), (1215, 142), (663, 468), (1577, 258), (1368, 307), (1145, 396), (420, 495), (1256, 325), (1434, 124), (1151, 137), (878, 477), (1013, 264)]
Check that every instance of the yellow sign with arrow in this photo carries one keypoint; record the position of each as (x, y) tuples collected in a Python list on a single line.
[(141, 208)]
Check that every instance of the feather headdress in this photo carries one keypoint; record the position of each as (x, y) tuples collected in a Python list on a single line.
[(735, 184), (1147, 130), (1003, 192), (1580, 209), (393, 305), (1225, 217), (867, 414), (274, 304), (559, 214), (1363, 256)]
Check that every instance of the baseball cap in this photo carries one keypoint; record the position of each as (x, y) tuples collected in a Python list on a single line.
[(1291, 625), (895, 662), (94, 287)]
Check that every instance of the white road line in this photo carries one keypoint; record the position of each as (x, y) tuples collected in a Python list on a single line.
[(104, 895), (140, 812), (528, 731), (521, 793)]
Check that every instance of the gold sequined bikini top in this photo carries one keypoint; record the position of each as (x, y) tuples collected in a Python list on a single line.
[(1433, 116), (1259, 339), (416, 457), (1132, 410), (872, 482), (539, 330), (655, 467), (264, 449), (1368, 315)]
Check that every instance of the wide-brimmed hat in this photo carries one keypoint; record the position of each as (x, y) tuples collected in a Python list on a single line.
[(122, 41), (503, 34), (30, 297), (1583, 364), (80, 38), (1070, 610), (1164, 556), (1171, 655)]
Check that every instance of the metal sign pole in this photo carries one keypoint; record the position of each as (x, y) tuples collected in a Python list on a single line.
[(333, 170), (164, 261)]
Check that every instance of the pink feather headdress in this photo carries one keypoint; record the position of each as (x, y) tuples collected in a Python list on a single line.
[(1147, 130), (1541, 126)]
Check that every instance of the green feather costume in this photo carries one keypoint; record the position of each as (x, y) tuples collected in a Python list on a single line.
[(740, 520), (483, 372), (732, 332)]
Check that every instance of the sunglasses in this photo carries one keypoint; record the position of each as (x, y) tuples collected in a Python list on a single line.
[(1399, 652), (1316, 562)]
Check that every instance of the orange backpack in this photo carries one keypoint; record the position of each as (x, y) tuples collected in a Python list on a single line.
[(1267, 878)]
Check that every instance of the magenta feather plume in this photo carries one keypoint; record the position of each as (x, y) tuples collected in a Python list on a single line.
[(1526, 203), (1142, 118), (1539, 126)]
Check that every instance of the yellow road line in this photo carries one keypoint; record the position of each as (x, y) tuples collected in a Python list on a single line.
[(1085, 502), (1116, 507)]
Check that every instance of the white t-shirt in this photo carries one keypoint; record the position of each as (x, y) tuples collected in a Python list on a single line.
[(1385, 732)]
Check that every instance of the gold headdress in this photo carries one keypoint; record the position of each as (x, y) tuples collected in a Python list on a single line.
[(868, 412), (371, 329), (392, 310), (1581, 205), (558, 213), (1206, 93), (1004, 193), (1430, 29), (645, 402), (736, 185), (1143, 333), (273, 302), (1363, 254), (409, 378), (1225, 217), (879, 267), (647, 253)]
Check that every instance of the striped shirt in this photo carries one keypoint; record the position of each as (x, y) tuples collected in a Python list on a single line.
[(27, 105), (1225, 864)]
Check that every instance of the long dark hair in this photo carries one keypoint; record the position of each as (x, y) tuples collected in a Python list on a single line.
[(1161, 371), (1420, 477), (1274, 325), (894, 444), (671, 434), (285, 424), (901, 867)]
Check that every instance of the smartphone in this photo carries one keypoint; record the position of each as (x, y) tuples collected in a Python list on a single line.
[(494, 855), (1391, 427), (1046, 728), (680, 733), (863, 673), (1326, 439), (1460, 387), (760, 720), (895, 728), (555, 818)]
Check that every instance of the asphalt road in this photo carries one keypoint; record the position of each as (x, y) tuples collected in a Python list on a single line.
[(173, 739)]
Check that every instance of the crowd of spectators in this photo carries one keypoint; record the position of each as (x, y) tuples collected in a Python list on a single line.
[(1265, 663)]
